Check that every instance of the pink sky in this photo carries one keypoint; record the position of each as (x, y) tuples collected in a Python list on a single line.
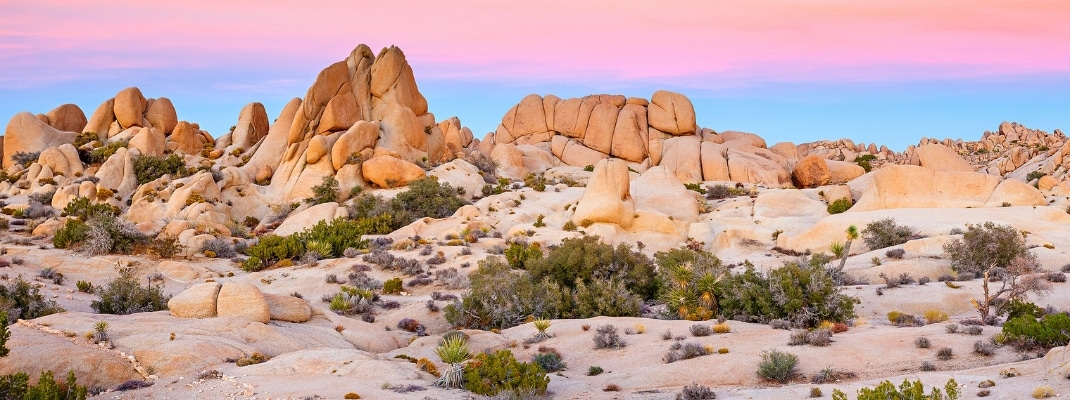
[(735, 41)]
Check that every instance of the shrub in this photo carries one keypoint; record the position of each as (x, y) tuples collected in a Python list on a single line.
[(777, 366), (806, 295), (922, 342), (22, 300), (125, 295), (906, 390), (220, 247), (927, 366), (25, 158), (935, 316), (606, 337), (829, 374), (492, 373), (895, 254), (974, 330), (945, 354), (1048, 331), (520, 255), (696, 187), (253, 359), (685, 351), (549, 362), (839, 206), (984, 348), (863, 161), (819, 337), (586, 259), (453, 350), (1043, 392), (690, 281), (84, 286), (428, 198), (717, 192), (325, 192), (594, 370), (886, 233), (986, 246), (149, 168), (1057, 277), (700, 330), (167, 247), (17, 386), (535, 182), (722, 327), (694, 391), (798, 337)]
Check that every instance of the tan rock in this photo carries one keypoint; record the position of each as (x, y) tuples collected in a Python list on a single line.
[(743, 137), (657, 189), (161, 114), (607, 196), (747, 167), (130, 107), (199, 301), (149, 142), (186, 138), (288, 308), (905, 186), (786, 150), (392, 80), (525, 118), (573, 153), (317, 148), (510, 161), (599, 136), (714, 163), (362, 135), (242, 300), (68, 118), (275, 143), (387, 171), (330, 81), (682, 156), (340, 114), (117, 173), (34, 351), (25, 133), (843, 171), (571, 116), (672, 113), (311, 216), (264, 174), (630, 134), (1046, 183), (252, 126), (100, 121), (811, 171), (403, 134), (941, 158), (176, 270)]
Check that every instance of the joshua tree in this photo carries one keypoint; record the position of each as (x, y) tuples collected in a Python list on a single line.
[(844, 250)]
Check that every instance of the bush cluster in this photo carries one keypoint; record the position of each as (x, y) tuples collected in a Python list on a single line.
[(489, 374), (886, 233), (1029, 330), (839, 206), (425, 198), (906, 390), (22, 300), (96, 229), (149, 168), (777, 366), (336, 235), (985, 246), (125, 295), (587, 259), (17, 386)]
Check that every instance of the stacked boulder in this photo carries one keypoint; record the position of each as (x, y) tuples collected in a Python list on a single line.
[(237, 300)]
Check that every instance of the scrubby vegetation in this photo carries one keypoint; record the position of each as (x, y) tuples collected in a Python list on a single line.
[(777, 366), (489, 374), (425, 198), (96, 228), (906, 390), (588, 260), (125, 295), (17, 386), (332, 238), (20, 299), (149, 168), (886, 233), (839, 206)]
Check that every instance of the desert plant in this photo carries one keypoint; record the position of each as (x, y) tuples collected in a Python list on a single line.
[(492, 373), (149, 168), (1043, 392), (935, 316), (886, 233), (325, 192), (520, 255), (125, 295), (20, 299), (541, 325), (984, 348), (906, 390), (222, 248), (695, 391), (549, 361), (944, 354), (895, 254), (690, 281), (819, 337), (777, 366), (722, 327), (453, 351), (996, 251), (587, 259), (830, 374), (252, 359), (100, 332), (700, 330), (922, 342), (594, 370), (5, 334), (685, 351), (17, 386), (797, 337), (606, 337), (839, 206), (1028, 330), (167, 247)]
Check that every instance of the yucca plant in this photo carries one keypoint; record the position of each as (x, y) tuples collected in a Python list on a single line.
[(541, 325), (452, 351), (100, 332), (342, 302), (322, 248)]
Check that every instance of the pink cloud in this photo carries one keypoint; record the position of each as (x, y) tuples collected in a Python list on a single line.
[(556, 39)]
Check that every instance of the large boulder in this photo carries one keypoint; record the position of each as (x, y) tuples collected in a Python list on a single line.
[(311, 216), (749, 139), (186, 138), (657, 189), (630, 134), (27, 134), (526, 118), (252, 126), (288, 308), (100, 121), (199, 301), (362, 135), (745, 166), (682, 156), (714, 163), (389, 171), (67, 117), (130, 107), (148, 141), (607, 197), (392, 81), (812, 171), (242, 300), (161, 114), (340, 113), (843, 171), (907, 186), (671, 113), (938, 157)]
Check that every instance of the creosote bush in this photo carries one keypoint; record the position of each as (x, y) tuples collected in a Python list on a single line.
[(606, 337), (125, 295), (886, 233), (149, 168), (20, 299), (839, 206), (906, 390), (489, 374), (777, 366)]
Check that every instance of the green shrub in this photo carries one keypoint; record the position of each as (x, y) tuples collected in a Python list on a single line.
[(1034, 175), (863, 161), (271, 249), (805, 295), (494, 298), (337, 235), (520, 255), (17, 386), (907, 390), (428, 198), (549, 362), (697, 187), (22, 300), (325, 192), (587, 258), (777, 366), (839, 206), (589, 168), (96, 229), (535, 182), (84, 286), (491, 373), (985, 246), (1048, 331), (603, 297), (25, 158), (392, 286), (125, 295), (5, 334), (885, 233), (149, 168), (594, 370), (73, 232), (101, 154)]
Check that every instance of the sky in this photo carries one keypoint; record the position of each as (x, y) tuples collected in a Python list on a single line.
[(889, 72)]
